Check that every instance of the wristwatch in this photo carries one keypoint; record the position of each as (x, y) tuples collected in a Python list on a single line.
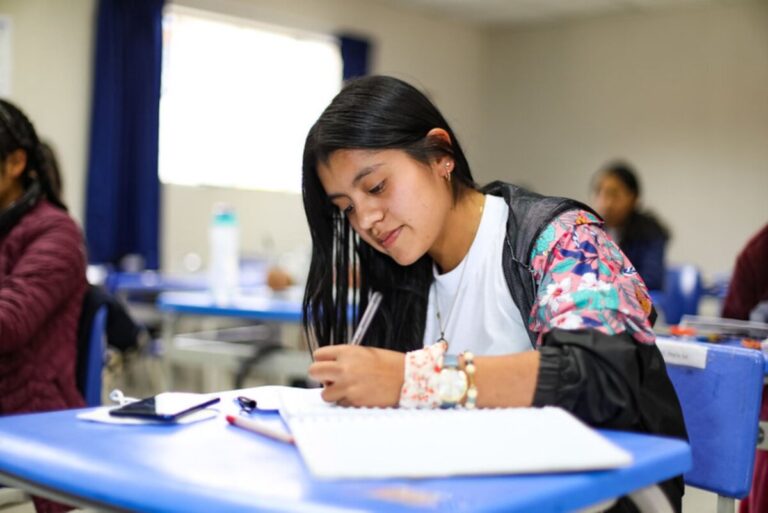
[(452, 382)]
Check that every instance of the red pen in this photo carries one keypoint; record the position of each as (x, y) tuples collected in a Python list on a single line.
[(260, 428)]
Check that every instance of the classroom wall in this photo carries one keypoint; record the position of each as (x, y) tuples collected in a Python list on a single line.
[(52, 75), (52, 45), (682, 93), (446, 58)]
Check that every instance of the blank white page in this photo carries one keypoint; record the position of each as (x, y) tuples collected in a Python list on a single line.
[(340, 442)]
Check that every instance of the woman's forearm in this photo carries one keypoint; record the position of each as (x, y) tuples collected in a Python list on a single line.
[(508, 380)]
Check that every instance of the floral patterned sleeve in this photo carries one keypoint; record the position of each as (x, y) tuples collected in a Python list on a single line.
[(586, 282)]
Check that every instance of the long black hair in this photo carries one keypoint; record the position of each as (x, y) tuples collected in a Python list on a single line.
[(374, 113), (17, 132)]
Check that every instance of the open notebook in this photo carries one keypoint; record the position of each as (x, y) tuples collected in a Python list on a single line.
[(338, 442)]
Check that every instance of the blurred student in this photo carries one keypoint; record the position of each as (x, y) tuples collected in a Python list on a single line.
[(749, 282), (747, 289), (42, 280), (492, 297), (616, 197)]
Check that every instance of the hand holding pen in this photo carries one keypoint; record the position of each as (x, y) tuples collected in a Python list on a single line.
[(359, 376), (365, 321)]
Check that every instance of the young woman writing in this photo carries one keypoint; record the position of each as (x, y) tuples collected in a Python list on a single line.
[(491, 297)]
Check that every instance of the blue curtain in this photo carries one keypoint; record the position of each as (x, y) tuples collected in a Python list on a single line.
[(123, 191), (354, 55)]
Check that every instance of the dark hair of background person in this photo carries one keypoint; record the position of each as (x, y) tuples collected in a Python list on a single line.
[(624, 172), (373, 113), (52, 167), (17, 132), (635, 228)]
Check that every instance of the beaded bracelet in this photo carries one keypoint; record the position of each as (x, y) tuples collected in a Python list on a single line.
[(469, 369)]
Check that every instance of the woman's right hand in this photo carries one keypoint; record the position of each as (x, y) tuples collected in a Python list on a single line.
[(359, 376)]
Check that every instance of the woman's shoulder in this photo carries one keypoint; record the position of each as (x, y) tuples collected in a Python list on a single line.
[(569, 224), (645, 226), (46, 218)]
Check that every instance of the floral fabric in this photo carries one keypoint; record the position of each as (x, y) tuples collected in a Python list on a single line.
[(586, 282), (420, 384)]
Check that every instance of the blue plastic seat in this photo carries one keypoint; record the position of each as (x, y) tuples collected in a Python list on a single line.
[(681, 295), (721, 406), (94, 362)]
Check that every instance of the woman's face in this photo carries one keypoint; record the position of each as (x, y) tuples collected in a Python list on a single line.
[(395, 203), (613, 200), (10, 182)]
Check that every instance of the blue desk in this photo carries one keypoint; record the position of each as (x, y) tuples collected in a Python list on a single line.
[(210, 466), (149, 282), (258, 304), (214, 355)]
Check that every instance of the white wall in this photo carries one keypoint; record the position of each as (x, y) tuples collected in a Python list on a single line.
[(52, 75), (51, 80), (683, 94), (444, 57)]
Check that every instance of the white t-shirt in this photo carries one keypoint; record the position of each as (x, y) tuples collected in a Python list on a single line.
[(484, 319)]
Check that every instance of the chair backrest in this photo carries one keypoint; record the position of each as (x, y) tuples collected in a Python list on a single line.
[(682, 292), (720, 389), (91, 345), (91, 387)]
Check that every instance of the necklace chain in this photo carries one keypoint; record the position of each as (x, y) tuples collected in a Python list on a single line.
[(465, 264)]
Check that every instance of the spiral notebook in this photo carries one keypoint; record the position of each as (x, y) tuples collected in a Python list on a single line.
[(363, 443)]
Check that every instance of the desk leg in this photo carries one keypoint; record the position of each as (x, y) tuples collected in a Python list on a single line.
[(726, 504), (762, 440), (168, 330), (651, 500)]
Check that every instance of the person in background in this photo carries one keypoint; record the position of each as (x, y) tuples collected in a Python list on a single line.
[(747, 289), (616, 197), (491, 297), (748, 285), (42, 281)]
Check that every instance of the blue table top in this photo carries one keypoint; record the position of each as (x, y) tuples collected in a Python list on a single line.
[(155, 281), (260, 304), (211, 466)]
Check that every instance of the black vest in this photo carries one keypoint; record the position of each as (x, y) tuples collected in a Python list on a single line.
[(529, 215)]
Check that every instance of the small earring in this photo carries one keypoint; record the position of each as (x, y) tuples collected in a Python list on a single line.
[(448, 177)]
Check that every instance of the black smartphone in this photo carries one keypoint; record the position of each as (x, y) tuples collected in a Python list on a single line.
[(167, 406)]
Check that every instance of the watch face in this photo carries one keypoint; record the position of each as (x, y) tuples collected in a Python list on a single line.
[(453, 385)]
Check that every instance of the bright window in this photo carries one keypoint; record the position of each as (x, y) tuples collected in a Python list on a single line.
[(238, 100)]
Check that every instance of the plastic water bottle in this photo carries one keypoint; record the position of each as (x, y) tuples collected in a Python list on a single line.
[(224, 255)]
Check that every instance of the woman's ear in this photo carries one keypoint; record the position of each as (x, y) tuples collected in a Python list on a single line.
[(443, 163), (16, 162)]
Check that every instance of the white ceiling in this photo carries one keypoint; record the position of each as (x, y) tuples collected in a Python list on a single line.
[(501, 12)]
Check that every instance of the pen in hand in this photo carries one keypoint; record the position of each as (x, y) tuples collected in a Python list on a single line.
[(370, 311)]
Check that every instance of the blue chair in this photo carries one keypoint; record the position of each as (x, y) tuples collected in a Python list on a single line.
[(682, 292), (721, 406), (94, 362), (92, 344)]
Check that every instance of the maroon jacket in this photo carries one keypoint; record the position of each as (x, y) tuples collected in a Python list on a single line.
[(749, 282), (42, 283), (748, 287)]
